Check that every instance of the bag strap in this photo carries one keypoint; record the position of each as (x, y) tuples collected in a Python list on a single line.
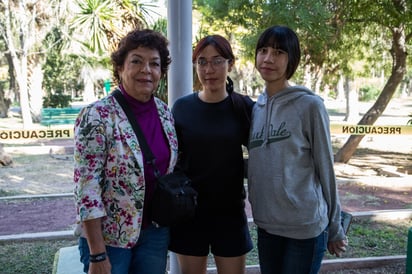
[(147, 153)]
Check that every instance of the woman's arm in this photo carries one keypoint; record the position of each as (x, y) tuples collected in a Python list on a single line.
[(94, 235)]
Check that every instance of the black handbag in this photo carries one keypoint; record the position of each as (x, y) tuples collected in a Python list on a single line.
[(174, 199)]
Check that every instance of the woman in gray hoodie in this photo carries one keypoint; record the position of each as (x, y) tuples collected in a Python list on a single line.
[(292, 185)]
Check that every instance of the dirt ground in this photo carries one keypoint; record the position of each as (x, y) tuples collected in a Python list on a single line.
[(383, 183), (372, 180), (36, 215)]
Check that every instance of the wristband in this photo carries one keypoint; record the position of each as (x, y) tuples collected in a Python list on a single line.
[(97, 258)]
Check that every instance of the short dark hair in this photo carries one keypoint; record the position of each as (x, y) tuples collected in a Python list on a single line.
[(141, 38), (221, 45), (284, 38)]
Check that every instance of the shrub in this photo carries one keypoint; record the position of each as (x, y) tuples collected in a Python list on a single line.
[(368, 93), (58, 100)]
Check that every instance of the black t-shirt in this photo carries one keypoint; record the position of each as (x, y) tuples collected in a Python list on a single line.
[(210, 141)]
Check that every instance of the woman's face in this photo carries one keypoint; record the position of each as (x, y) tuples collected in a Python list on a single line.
[(272, 64), (212, 69), (141, 73)]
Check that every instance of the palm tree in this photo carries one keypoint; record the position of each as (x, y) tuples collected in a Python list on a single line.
[(105, 22)]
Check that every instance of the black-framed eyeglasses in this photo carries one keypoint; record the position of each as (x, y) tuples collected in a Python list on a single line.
[(215, 62)]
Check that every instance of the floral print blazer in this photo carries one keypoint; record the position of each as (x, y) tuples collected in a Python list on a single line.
[(108, 172)]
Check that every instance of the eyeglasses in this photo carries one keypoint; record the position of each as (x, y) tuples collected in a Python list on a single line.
[(215, 62)]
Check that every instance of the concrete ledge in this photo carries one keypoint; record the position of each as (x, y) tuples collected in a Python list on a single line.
[(384, 214), (356, 263), (53, 235), (36, 150), (67, 261), (338, 264), (30, 196), (250, 269)]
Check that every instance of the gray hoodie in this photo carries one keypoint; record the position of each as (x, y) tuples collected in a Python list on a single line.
[(292, 184)]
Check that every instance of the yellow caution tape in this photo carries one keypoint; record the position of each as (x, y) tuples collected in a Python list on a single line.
[(367, 130), (67, 133)]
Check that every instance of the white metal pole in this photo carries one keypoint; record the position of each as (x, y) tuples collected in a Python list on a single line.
[(180, 74), (179, 32)]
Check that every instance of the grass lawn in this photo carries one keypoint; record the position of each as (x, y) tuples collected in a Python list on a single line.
[(367, 238), (30, 257)]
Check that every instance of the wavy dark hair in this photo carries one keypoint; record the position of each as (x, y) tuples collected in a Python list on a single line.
[(146, 38)]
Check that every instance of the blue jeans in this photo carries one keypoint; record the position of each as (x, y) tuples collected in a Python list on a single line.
[(148, 256), (281, 255)]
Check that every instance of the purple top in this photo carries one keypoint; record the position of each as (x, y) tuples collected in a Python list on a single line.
[(148, 119)]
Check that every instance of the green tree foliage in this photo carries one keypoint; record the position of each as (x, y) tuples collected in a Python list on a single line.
[(29, 33), (61, 72), (244, 20), (250, 18), (394, 19), (105, 22), (161, 26), (338, 38)]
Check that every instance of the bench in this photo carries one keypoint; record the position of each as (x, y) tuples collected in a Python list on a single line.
[(67, 261), (58, 116)]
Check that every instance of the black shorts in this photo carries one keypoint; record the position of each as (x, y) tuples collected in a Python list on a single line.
[(223, 235)]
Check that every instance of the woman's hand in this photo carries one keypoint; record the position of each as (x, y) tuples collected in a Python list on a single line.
[(338, 247)]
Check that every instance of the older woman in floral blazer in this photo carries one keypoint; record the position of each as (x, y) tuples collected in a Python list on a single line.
[(113, 183), (108, 171)]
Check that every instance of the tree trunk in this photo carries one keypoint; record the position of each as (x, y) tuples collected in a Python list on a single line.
[(4, 104), (307, 76), (88, 95), (236, 77), (35, 74), (317, 85), (340, 89), (24, 93), (19, 61), (352, 101), (398, 52)]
